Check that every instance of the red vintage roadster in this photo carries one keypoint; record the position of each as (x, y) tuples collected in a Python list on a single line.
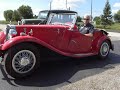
[(21, 46)]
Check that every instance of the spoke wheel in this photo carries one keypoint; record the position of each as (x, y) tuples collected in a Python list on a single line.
[(104, 50), (21, 60)]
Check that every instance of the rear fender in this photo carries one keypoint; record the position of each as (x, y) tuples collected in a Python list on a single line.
[(104, 38)]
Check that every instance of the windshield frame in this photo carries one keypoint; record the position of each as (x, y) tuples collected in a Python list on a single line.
[(73, 22)]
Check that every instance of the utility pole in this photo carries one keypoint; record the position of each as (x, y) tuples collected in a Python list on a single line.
[(91, 10), (69, 9), (66, 4), (50, 4)]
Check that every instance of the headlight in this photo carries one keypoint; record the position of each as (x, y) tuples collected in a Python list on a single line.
[(13, 32), (10, 31)]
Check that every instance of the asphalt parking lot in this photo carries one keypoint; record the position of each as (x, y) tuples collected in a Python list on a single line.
[(71, 74)]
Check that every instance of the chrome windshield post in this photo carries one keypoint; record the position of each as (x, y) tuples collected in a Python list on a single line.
[(73, 23)]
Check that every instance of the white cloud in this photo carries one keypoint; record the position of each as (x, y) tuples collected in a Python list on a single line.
[(58, 4), (36, 11), (7, 6), (1, 16), (94, 14), (61, 4), (115, 11), (72, 1), (117, 5)]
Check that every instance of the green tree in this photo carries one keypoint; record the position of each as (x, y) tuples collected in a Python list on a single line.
[(97, 19), (117, 17), (8, 15), (106, 18), (25, 12), (16, 15), (79, 19)]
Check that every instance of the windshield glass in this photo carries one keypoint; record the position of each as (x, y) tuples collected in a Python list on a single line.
[(62, 18), (42, 15)]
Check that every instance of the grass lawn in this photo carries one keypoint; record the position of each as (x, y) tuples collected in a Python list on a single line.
[(7, 22), (114, 27)]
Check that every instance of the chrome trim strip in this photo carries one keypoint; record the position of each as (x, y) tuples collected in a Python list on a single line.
[(86, 54)]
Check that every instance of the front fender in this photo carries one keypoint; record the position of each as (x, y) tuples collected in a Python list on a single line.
[(20, 39), (2, 37)]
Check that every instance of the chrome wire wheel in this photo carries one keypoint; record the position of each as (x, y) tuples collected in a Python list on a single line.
[(23, 61), (104, 50)]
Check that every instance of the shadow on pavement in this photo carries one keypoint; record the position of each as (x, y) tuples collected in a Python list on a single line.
[(68, 70)]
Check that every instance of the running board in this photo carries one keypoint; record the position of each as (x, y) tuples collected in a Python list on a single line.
[(83, 55)]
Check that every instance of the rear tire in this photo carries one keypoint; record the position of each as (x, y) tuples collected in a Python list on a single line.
[(21, 60), (104, 50)]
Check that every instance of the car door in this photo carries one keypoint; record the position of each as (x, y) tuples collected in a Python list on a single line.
[(58, 34), (62, 39), (80, 43)]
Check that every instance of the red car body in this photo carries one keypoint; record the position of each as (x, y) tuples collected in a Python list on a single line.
[(20, 44), (59, 39)]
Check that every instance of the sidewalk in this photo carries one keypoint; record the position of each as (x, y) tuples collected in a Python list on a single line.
[(2, 26), (114, 34)]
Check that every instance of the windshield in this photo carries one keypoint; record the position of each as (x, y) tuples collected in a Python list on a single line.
[(62, 18), (43, 15)]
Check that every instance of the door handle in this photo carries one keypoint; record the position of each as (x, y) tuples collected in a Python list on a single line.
[(58, 30)]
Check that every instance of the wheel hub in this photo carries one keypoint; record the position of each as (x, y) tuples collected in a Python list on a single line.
[(105, 49), (24, 61)]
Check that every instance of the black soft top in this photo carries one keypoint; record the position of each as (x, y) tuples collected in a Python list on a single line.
[(58, 11)]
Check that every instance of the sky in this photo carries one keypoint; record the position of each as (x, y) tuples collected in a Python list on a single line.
[(81, 6)]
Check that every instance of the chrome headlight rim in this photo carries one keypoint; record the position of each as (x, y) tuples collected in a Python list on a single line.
[(10, 31)]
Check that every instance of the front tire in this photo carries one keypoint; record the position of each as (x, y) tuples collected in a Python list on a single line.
[(21, 60), (104, 50)]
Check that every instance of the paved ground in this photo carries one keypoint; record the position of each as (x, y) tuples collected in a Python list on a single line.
[(72, 74), (2, 26)]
